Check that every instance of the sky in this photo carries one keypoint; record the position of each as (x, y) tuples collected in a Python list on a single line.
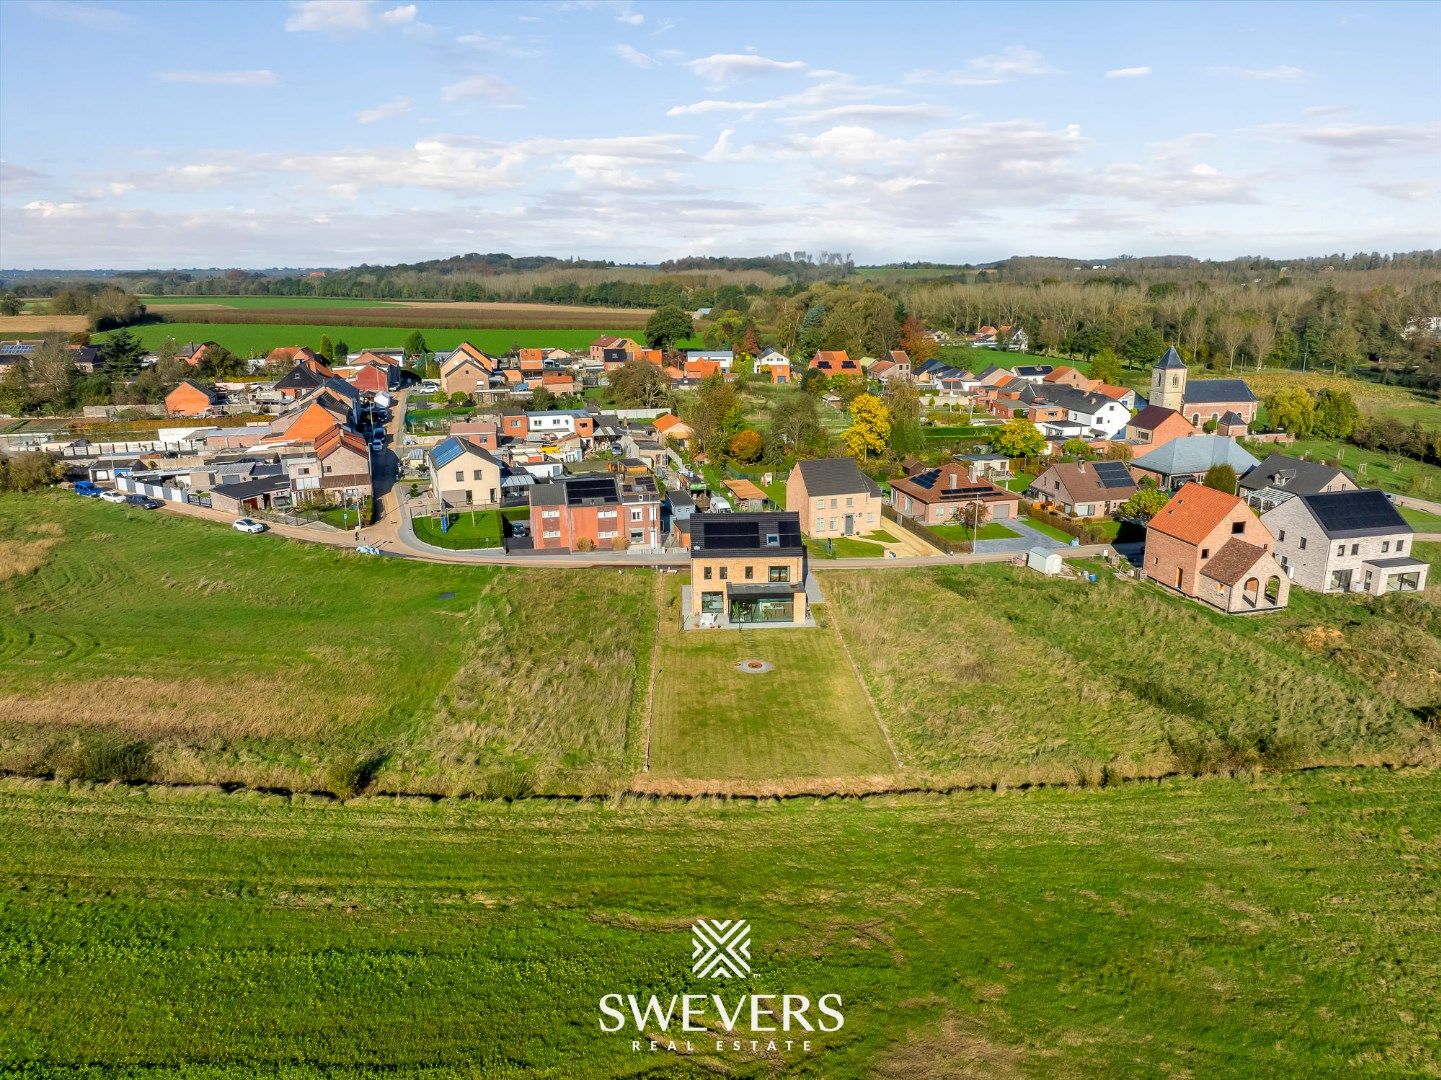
[(335, 132)]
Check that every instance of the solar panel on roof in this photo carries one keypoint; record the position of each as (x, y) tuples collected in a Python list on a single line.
[(926, 479), (589, 489), (1113, 474), (447, 452)]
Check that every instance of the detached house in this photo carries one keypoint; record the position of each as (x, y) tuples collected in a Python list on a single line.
[(832, 497), (1180, 461), (464, 473), (1279, 478), (835, 363), (1154, 426), (1346, 541), (466, 370), (190, 399), (940, 495), (1210, 546), (746, 569), (1085, 488)]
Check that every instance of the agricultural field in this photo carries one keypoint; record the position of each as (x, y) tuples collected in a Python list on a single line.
[(1372, 398), (807, 718), (268, 662), (256, 339), (12, 326), (261, 303), (1371, 468), (992, 674), (1271, 926)]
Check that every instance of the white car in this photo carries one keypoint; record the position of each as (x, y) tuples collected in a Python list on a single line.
[(114, 496), (249, 525)]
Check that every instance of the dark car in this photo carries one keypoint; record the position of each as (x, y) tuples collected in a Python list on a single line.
[(145, 502)]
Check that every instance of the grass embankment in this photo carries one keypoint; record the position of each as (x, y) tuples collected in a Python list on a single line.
[(271, 662), (1282, 927), (806, 718), (994, 674)]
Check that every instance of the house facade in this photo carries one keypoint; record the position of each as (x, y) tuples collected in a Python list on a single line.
[(941, 495), (1279, 477), (463, 473), (596, 512), (1154, 426), (1085, 488), (747, 569), (466, 371), (832, 497), (1210, 546), (190, 399), (1346, 541)]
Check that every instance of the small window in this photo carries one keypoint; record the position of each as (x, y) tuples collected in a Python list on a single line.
[(1400, 545), (1205, 553), (707, 573), (724, 573), (773, 539), (834, 503), (1237, 528), (460, 476), (1385, 547), (1302, 543), (1355, 549), (778, 573), (1281, 535), (750, 572), (1340, 549)]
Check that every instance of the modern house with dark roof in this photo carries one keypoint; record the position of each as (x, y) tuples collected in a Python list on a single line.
[(595, 512), (1181, 461), (1346, 541), (1279, 478), (1210, 546), (746, 569), (833, 498)]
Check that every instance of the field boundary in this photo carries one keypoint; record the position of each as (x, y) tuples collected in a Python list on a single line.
[(659, 593), (835, 627)]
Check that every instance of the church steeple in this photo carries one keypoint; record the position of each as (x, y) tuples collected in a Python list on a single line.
[(1168, 381)]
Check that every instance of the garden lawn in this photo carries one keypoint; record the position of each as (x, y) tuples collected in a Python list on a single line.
[(809, 717), (1047, 528), (843, 547), (959, 533), (1421, 520), (265, 661), (1201, 928), (1331, 680), (468, 529)]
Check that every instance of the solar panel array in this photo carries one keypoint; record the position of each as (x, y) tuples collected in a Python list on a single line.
[(745, 532), (18, 348), (1356, 513), (581, 490), (1113, 474), (447, 452)]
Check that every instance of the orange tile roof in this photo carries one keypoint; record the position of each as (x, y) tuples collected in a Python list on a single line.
[(313, 421), (665, 422), (1115, 393), (1194, 512)]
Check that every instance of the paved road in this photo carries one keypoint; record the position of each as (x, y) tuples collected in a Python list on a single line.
[(1417, 504)]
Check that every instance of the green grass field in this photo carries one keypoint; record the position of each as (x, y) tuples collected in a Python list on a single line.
[(991, 530), (807, 718), (1390, 472), (481, 529), (267, 661), (1044, 680), (1280, 927), (254, 339), (1047, 528), (1421, 520), (843, 547)]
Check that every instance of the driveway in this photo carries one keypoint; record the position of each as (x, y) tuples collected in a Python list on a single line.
[(1029, 538)]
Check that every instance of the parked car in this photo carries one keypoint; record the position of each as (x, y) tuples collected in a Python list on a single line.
[(144, 502), (520, 528), (249, 525), (378, 443), (368, 549), (114, 496), (86, 489)]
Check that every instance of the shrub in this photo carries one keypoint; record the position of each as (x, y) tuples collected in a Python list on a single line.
[(509, 782), (352, 776), (585, 543), (104, 758)]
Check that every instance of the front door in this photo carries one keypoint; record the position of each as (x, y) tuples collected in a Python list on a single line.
[(850, 524)]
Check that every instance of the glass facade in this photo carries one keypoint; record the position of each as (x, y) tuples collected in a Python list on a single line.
[(762, 609)]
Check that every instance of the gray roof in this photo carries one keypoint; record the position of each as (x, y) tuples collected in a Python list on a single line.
[(551, 494), (1195, 454), (1171, 360), (1295, 475), (1217, 392), (836, 476), (1068, 397)]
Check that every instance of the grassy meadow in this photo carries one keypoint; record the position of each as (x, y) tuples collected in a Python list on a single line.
[(992, 674), (255, 339), (1283, 926), (269, 662), (806, 719)]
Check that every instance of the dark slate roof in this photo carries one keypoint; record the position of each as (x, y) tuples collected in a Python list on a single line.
[(1068, 397), (550, 494), (1231, 418), (1216, 391), (746, 534), (679, 499), (1172, 360), (1032, 370), (300, 377), (248, 489), (1290, 474), (1367, 512), (836, 476)]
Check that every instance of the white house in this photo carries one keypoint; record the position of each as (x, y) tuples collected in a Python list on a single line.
[(772, 358), (1097, 413), (723, 357)]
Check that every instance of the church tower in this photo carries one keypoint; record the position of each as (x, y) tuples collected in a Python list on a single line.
[(1168, 381)]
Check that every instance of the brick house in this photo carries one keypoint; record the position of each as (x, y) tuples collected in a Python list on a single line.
[(190, 399), (835, 363), (1154, 426), (1210, 546), (344, 461), (1085, 488), (466, 370), (595, 512), (941, 495), (832, 497), (1346, 541), (746, 569)]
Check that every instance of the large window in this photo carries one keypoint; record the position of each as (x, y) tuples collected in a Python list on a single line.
[(712, 603), (778, 573), (762, 609)]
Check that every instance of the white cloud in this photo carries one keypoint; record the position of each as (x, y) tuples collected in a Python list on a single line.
[(1327, 110), (1353, 142), (1128, 73), (13, 176), (491, 88), (864, 113), (1279, 73), (90, 16), (1011, 63), (453, 165), (723, 67), (387, 111), (632, 55), (345, 16), (828, 88), (1415, 191), (45, 209), (622, 10), (260, 77)]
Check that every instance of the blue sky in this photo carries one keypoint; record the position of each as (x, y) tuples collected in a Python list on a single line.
[(341, 131)]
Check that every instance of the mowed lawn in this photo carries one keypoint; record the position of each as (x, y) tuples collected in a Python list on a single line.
[(1284, 927), (266, 661), (808, 717)]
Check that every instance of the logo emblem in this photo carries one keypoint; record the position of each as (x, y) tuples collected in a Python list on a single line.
[(721, 948)]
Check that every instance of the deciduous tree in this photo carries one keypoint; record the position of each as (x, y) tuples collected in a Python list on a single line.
[(870, 429), (1019, 438)]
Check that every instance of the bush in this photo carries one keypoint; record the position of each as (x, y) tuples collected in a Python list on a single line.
[(352, 776), (509, 782), (585, 543)]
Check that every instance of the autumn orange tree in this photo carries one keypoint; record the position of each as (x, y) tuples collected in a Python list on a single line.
[(918, 344)]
